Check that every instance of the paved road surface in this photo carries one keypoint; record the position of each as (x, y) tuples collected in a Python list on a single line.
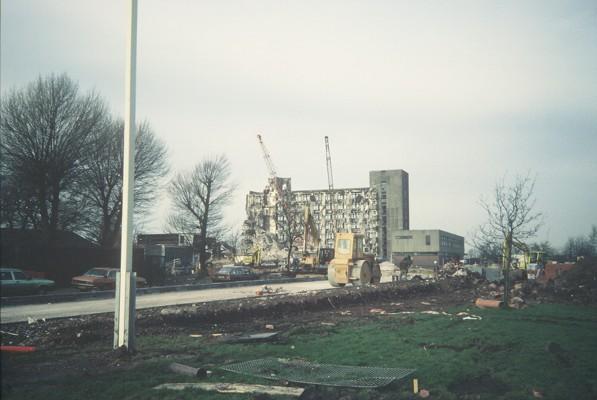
[(10, 314)]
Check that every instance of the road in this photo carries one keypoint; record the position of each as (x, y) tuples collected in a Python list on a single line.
[(20, 313)]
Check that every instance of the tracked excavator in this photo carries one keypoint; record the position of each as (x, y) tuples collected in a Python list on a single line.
[(350, 263), (311, 262)]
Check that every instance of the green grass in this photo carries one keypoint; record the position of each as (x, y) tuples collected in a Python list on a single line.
[(501, 356)]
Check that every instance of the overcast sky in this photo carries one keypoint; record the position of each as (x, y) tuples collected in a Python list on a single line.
[(457, 93)]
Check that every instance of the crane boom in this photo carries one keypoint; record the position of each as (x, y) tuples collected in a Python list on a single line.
[(268, 160), (328, 159), (273, 175)]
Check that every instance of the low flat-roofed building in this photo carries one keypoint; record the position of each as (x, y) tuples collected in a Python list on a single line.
[(426, 246)]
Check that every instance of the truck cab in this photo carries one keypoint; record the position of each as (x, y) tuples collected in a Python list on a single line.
[(351, 264)]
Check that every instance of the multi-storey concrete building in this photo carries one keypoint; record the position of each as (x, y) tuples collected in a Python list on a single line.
[(376, 211), (392, 194)]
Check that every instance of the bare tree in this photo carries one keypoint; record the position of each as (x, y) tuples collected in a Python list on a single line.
[(511, 219), (233, 240), (488, 250), (103, 178), (291, 224), (46, 129), (544, 247), (582, 246), (199, 198), (17, 203)]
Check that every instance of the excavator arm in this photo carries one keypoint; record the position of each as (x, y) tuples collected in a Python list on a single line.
[(311, 231)]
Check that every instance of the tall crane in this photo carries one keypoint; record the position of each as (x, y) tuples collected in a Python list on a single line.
[(272, 173), (328, 159), (268, 160)]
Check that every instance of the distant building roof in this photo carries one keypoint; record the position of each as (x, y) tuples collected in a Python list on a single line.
[(10, 237)]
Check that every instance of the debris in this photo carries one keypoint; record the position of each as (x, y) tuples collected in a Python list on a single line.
[(18, 349), (377, 311), (235, 388), (537, 393), (345, 313), (331, 304), (195, 335), (425, 303), (395, 304), (484, 303), (256, 337), (217, 334), (9, 333), (269, 326), (469, 317), (31, 321), (328, 324), (266, 290), (187, 370), (517, 302), (424, 393), (171, 311), (415, 386), (431, 312), (472, 318)]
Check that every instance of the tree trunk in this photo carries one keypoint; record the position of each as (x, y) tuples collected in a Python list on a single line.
[(288, 257), (507, 262), (203, 235)]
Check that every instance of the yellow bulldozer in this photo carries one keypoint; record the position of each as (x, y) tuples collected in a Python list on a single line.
[(350, 263)]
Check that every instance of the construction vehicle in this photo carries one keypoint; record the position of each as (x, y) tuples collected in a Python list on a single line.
[(313, 262), (532, 263), (350, 263), (251, 258), (529, 264)]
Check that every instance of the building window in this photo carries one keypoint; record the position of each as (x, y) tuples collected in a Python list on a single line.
[(428, 240)]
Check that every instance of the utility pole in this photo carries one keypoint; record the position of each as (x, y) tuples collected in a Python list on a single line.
[(124, 315)]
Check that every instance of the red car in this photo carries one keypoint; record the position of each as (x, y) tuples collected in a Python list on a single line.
[(101, 279)]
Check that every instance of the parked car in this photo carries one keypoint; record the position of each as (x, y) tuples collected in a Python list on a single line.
[(16, 282), (101, 279), (234, 273)]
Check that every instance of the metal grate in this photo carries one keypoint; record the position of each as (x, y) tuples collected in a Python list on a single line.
[(300, 371)]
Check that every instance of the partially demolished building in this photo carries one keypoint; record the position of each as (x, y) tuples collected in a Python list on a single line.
[(375, 211)]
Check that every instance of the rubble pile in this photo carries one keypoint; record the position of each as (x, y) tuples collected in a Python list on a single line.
[(578, 285), (267, 243)]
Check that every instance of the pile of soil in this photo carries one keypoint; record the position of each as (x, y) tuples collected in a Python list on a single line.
[(248, 314), (240, 314)]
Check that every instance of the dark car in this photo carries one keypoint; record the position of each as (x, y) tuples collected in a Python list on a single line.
[(101, 279), (16, 282), (234, 273)]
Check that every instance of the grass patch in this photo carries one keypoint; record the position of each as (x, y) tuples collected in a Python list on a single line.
[(504, 355)]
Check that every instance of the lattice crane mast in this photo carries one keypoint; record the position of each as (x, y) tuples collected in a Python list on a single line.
[(328, 159), (268, 160), (272, 172)]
